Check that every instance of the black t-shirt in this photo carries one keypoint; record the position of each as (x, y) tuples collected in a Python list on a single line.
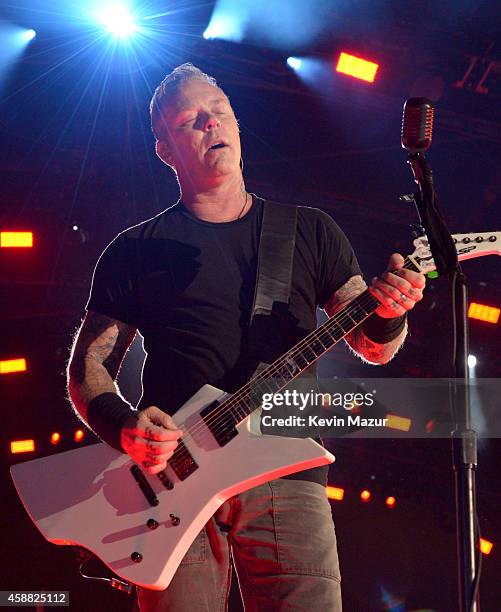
[(187, 285)]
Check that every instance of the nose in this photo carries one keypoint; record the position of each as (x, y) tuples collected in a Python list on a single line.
[(212, 123)]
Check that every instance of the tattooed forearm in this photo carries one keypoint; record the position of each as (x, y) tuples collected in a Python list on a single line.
[(95, 360), (372, 352), (348, 292), (366, 349)]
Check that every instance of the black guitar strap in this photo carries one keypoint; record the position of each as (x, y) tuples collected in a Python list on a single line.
[(273, 277)]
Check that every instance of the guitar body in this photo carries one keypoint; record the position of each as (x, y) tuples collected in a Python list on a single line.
[(89, 497)]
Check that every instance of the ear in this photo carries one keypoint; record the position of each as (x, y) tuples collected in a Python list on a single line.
[(164, 153)]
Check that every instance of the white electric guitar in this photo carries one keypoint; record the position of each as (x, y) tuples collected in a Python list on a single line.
[(141, 525)]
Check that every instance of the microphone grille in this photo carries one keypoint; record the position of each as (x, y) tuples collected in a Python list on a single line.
[(417, 124)]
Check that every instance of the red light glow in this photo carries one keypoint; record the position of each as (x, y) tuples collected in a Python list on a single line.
[(22, 446), (79, 435), (16, 239), (365, 495), (335, 493), (488, 314), (391, 501), (357, 67)]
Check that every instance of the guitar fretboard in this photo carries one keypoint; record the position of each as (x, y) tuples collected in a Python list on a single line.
[(297, 359)]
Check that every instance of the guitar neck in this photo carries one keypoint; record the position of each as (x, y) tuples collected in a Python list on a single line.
[(306, 352)]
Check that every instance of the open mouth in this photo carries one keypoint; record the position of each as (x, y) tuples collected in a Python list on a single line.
[(217, 145)]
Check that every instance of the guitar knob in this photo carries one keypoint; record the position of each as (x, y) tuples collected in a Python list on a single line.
[(136, 557), (479, 239), (466, 240), (152, 524), (175, 520)]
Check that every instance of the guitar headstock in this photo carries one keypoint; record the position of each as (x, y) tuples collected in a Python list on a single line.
[(468, 246)]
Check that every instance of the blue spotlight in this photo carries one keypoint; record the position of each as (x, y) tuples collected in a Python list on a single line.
[(118, 20), (224, 25), (28, 35), (294, 63)]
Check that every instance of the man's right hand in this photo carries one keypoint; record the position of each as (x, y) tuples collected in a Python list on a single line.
[(150, 438)]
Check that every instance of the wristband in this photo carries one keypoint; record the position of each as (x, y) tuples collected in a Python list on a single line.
[(382, 330), (106, 415)]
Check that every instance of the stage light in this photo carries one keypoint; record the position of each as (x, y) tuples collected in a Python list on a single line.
[(118, 20), (489, 314), (391, 501), (9, 366), (16, 239), (22, 446), (29, 35), (357, 67), (486, 546), (397, 422), (430, 425), (55, 438), (365, 495), (472, 361), (79, 435), (225, 27), (294, 62), (335, 493)]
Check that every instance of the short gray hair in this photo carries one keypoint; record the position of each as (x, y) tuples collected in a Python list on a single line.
[(168, 89)]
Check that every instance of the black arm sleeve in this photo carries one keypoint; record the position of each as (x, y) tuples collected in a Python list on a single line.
[(115, 283), (337, 260)]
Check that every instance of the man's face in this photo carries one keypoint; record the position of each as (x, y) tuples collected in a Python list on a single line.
[(199, 117)]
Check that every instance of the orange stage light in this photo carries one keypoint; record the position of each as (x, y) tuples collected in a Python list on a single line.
[(365, 495), (486, 546), (8, 366), (55, 438), (398, 422), (79, 435), (16, 239), (22, 446), (335, 493), (357, 67), (391, 501), (489, 314)]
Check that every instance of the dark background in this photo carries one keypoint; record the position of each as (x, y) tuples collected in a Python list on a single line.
[(76, 150)]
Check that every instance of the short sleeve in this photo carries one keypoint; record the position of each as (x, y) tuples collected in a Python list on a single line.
[(336, 258), (115, 290)]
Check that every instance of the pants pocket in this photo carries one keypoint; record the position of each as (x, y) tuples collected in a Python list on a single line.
[(306, 539)]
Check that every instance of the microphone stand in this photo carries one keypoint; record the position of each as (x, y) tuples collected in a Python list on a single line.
[(464, 438)]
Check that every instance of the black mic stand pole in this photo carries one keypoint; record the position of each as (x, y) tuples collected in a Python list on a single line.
[(464, 438)]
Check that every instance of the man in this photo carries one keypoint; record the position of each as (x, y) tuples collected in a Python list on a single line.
[(186, 280)]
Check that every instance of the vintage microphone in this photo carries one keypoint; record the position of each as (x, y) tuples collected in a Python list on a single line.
[(417, 132)]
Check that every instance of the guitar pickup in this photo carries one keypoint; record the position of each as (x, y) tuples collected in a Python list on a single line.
[(221, 426), (182, 462)]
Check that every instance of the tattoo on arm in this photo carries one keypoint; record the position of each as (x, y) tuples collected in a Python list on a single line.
[(366, 349), (97, 353), (345, 294)]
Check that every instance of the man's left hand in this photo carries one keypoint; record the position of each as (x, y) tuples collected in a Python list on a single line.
[(397, 289)]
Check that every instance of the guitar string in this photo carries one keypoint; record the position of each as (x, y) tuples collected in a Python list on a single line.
[(362, 300)]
